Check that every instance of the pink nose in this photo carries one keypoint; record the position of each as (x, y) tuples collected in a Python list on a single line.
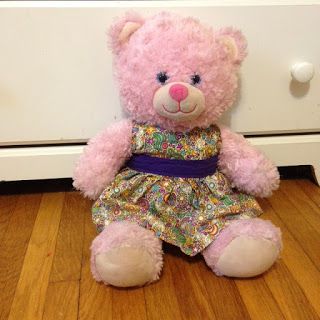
[(178, 92)]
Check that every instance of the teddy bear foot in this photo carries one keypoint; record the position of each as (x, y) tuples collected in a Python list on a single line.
[(246, 248), (126, 255)]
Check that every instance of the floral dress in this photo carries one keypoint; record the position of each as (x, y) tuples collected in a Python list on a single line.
[(187, 212)]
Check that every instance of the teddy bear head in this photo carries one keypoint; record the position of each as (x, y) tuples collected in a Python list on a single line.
[(175, 72)]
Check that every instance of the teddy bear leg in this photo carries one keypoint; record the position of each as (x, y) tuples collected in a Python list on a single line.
[(245, 248), (126, 255)]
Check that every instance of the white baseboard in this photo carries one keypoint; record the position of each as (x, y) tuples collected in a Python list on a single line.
[(292, 150), (29, 163), (58, 161)]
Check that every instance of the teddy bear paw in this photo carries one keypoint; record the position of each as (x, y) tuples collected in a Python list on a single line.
[(247, 257), (245, 248), (126, 255)]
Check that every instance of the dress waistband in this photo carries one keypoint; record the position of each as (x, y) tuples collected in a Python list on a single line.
[(173, 167)]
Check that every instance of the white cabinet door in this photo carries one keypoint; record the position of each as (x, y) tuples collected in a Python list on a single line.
[(56, 80)]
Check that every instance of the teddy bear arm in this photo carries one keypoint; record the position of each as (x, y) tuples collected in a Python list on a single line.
[(248, 168), (102, 158)]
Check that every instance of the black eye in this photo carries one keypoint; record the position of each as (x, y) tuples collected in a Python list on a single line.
[(195, 79), (162, 77)]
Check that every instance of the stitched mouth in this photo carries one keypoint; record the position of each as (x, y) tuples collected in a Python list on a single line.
[(179, 109)]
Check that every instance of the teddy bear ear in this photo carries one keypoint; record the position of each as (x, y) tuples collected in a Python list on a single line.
[(122, 29), (234, 42)]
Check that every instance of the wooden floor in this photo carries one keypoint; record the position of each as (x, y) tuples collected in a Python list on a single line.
[(45, 274)]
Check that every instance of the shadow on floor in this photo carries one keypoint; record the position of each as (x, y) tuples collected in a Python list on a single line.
[(56, 185)]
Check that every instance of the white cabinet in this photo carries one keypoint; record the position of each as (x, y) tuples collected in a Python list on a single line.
[(56, 84)]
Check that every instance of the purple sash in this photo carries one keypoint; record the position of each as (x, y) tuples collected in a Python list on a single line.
[(173, 167)]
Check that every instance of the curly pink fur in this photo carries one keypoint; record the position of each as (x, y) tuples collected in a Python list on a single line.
[(181, 47), (248, 168), (239, 40), (102, 158), (117, 27)]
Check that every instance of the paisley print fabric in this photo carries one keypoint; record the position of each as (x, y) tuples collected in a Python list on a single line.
[(186, 212), (197, 144)]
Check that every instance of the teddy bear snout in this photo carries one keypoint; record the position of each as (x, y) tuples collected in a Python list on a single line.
[(179, 101), (178, 92)]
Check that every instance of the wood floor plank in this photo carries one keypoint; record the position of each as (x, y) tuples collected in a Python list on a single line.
[(225, 299), (128, 304), (95, 298), (296, 260), (303, 231), (68, 253), (312, 190), (43, 242), (62, 301), (290, 297), (258, 299), (307, 208), (7, 205), (161, 298), (196, 303), (14, 246), (31, 290)]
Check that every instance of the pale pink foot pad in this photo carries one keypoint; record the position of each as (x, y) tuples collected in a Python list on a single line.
[(125, 255), (245, 248)]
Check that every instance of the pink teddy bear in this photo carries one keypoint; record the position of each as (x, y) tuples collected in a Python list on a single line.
[(169, 172)]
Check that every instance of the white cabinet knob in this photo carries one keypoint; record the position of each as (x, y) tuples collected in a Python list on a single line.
[(302, 71)]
